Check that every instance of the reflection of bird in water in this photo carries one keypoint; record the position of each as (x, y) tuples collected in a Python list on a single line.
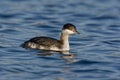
[(65, 54), (68, 57)]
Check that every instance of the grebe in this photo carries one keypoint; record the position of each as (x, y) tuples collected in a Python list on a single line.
[(47, 43)]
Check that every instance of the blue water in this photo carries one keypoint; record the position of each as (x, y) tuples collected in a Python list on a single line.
[(97, 48)]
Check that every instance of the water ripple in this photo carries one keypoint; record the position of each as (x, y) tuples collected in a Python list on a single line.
[(96, 48), (105, 17)]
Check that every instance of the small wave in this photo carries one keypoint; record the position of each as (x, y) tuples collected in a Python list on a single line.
[(6, 16), (104, 17), (88, 62), (92, 70)]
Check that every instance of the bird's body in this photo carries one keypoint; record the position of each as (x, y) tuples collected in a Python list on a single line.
[(44, 43)]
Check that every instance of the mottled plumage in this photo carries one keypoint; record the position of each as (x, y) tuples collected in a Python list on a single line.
[(41, 42)]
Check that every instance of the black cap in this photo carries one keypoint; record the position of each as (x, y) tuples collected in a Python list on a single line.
[(70, 27)]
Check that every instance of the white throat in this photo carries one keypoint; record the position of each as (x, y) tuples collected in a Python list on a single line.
[(65, 40), (66, 46)]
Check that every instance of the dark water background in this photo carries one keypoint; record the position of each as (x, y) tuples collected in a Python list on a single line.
[(97, 47)]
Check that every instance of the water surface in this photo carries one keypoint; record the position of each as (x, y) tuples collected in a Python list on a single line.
[(97, 48)]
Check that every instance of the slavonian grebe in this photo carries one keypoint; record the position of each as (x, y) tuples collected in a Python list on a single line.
[(47, 43)]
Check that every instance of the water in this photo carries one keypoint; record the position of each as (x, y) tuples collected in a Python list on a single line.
[(97, 48)]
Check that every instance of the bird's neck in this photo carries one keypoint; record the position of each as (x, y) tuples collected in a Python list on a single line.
[(65, 41)]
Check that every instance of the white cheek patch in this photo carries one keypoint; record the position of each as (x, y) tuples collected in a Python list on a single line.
[(66, 31)]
